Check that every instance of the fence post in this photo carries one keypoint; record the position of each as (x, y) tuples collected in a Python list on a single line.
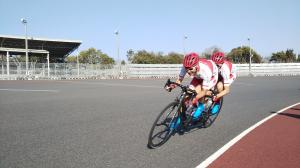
[(48, 64), (7, 63)]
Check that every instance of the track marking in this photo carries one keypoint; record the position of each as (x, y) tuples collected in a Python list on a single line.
[(25, 90), (218, 153), (116, 84), (130, 85), (243, 83)]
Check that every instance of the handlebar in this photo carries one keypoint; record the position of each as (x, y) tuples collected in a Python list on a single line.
[(183, 88), (186, 88)]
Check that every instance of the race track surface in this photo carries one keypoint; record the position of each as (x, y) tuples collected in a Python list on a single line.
[(275, 143), (106, 123)]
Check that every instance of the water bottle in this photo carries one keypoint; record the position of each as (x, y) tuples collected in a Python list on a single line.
[(215, 109), (198, 111), (208, 104), (190, 109)]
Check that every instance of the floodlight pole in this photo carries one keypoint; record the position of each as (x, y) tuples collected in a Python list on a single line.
[(24, 21), (77, 63), (183, 44), (48, 64), (2, 65), (118, 45), (7, 63), (250, 58)]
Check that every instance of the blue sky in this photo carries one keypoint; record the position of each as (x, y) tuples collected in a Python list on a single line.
[(159, 25)]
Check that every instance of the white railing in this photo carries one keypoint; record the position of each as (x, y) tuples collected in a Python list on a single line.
[(89, 71), (269, 69), (171, 70)]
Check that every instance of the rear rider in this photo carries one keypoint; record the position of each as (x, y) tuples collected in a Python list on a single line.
[(227, 74)]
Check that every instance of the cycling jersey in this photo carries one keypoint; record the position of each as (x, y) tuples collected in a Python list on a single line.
[(207, 75), (228, 73)]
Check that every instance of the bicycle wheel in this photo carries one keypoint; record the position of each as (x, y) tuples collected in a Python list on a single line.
[(165, 125), (209, 117)]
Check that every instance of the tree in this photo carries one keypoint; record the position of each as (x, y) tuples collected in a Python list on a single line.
[(241, 55), (104, 59), (287, 56), (94, 56), (71, 59), (209, 51), (130, 55), (174, 58), (90, 55), (144, 57), (290, 56)]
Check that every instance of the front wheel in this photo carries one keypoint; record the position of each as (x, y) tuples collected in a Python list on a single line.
[(165, 125)]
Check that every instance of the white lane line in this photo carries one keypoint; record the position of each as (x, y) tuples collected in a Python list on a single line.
[(116, 84), (130, 85), (26, 90), (218, 153), (243, 83)]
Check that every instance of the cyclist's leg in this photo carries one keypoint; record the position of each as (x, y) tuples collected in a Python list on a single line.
[(220, 86), (196, 84)]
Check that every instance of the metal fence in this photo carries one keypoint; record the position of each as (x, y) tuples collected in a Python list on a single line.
[(59, 71)]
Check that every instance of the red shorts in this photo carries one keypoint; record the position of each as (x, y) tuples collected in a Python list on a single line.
[(195, 82)]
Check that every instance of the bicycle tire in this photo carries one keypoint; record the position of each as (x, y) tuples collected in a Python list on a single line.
[(171, 117), (208, 118)]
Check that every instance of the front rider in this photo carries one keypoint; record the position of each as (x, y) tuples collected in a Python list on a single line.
[(227, 74), (204, 73)]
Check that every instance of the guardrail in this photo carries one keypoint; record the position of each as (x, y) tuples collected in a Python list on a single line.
[(38, 71), (172, 70)]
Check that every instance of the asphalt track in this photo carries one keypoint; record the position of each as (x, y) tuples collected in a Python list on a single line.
[(273, 143), (106, 123)]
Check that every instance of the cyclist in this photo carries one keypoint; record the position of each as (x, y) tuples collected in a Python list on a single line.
[(203, 71), (227, 74)]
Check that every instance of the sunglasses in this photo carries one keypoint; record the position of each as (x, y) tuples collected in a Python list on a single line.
[(190, 69)]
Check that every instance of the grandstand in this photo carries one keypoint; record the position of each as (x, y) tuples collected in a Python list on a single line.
[(56, 49), (47, 50)]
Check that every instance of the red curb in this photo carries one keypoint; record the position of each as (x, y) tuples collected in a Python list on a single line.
[(275, 143)]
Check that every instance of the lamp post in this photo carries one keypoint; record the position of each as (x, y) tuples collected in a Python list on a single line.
[(250, 58), (117, 44), (24, 21), (183, 43)]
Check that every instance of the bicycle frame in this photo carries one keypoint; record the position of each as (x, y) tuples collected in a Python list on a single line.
[(187, 93)]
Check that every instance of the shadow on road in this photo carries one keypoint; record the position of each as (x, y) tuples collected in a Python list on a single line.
[(288, 114)]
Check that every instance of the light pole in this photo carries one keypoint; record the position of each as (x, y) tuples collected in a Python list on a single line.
[(24, 21), (77, 60), (183, 43), (250, 58), (117, 44)]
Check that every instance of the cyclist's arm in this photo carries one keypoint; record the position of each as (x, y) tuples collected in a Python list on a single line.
[(179, 80), (225, 72), (181, 75), (223, 92), (201, 93)]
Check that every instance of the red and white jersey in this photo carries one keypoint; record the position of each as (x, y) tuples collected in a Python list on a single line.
[(208, 72), (228, 72)]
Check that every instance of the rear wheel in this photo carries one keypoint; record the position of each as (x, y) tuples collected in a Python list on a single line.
[(165, 125), (209, 117)]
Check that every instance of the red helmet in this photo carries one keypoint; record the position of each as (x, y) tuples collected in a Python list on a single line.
[(190, 60), (218, 57)]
